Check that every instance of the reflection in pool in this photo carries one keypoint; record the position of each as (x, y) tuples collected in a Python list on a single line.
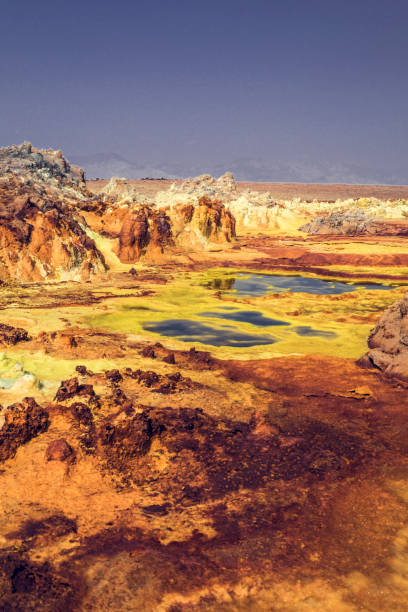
[(192, 331), (306, 330), (227, 335), (246, 316), (257, 318), (261, 284)]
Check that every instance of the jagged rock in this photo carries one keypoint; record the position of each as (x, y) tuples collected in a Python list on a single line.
[(19, 423), (148, 351), (39, 164), (41, 235), (144, 232), (206, 185), (12, 335), (355, 222), (72, 388), (147, 232), (82, 413), (207, 222), (121, 439), (250, 209), (388, 342)]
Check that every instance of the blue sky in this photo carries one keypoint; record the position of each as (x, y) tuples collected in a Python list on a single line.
[(198, 83)]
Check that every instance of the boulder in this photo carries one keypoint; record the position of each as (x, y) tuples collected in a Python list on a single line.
[(388, 342), (59, 450)]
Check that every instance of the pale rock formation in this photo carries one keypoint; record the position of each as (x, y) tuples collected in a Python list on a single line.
[(121, 189), (356, 222), (388, 342), (259, 211)]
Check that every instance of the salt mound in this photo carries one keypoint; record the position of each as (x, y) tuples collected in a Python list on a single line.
[(122, 189), (206, 185)]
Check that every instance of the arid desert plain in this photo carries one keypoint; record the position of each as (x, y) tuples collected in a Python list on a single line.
[(204, 393)]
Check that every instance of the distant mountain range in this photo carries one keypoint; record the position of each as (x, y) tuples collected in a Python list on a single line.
[(106, 165)]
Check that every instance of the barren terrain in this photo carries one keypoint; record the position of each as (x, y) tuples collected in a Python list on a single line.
[(281, 191), (203, 406)]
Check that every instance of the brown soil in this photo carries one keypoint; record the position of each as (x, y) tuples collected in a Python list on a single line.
[(147, 490)]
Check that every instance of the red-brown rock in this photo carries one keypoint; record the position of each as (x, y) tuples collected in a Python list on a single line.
[(59, 450), (19, 424)]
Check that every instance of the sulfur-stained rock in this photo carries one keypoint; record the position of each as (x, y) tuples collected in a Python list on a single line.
[(201, 225), (144, 232), (123, 438), (41, 234), (150, 232)]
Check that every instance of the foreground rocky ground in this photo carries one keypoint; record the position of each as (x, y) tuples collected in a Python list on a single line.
[(143, 472), (199, 484)]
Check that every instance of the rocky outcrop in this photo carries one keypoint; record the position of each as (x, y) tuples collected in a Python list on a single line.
[(10, 335), (19, 423), (256, 210), (145, 232), (40, 238), (355, 222), (148, 232), (388, 342), (207, 222), (42, 165), (41, 235), (206, 185), (250, 209)]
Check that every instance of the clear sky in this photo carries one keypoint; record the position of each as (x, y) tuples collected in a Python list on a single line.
[(191, 81)]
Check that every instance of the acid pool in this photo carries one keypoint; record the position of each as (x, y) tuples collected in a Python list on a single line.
[(261, 284)]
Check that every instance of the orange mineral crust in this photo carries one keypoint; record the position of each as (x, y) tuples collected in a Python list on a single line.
[(150, 480), (203, 393)]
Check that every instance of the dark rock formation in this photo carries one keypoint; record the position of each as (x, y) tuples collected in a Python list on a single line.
[(12, 335), (19, 424), (71, 388), (26, 585)]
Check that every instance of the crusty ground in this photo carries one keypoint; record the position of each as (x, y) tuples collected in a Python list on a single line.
[(283, 191)]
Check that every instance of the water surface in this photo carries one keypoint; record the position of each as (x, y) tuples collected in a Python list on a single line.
[(193, 331), (246, 316), (261, 284)]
